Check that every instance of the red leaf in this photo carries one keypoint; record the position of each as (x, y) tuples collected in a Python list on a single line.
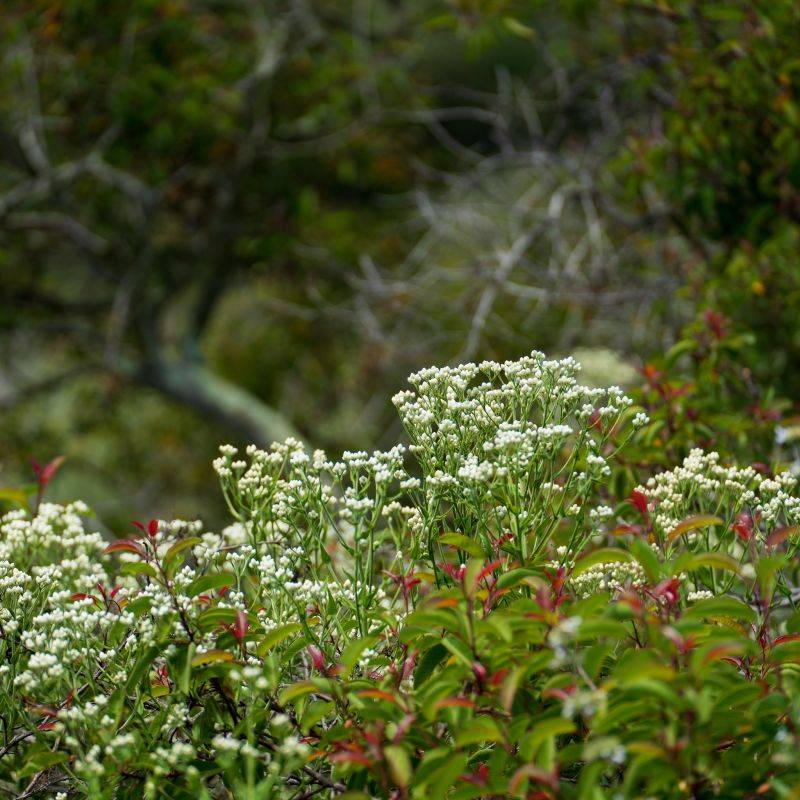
[(560, 694), (480, 672), (408, 664), (789, 637), (349, 757), (744, 527), (43, 709), (242, 624), (781, 534), (124, 546), (477, 778), (152, 528), (82, 596), (638, 501), (624, 528), (499, 676), (717, 323), (651, 373), (403, 727), (595, 421), (379, 694), (46, 474), (489, 569), (668, 589), (317, 658)]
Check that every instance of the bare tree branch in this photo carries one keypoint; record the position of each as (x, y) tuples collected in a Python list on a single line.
[(63, 224)]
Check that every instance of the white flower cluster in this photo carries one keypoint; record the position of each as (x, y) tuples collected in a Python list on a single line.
[(701, 484), (521, 407), (295, 497), (522, 435), (54, 545), (700, 594), (614, 576)]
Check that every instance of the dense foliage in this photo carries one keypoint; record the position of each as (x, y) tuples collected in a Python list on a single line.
[(725, 158), (480, 614), (237, 220)]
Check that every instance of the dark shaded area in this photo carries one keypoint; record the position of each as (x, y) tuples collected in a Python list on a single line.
[(241, 221)]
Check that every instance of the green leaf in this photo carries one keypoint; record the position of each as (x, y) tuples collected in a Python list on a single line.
[(399, 764), (544, 730), (276, 636), (515, 576), (647, 560), (315, 711), (715, 607), (593, 629), (462, 543), (41, 761), (296, 690), (636, 664), (208, 582), (651, 687), (459, 650), (766, 569), (443, 779), (213, 618), (622, 713), (178, 548), (510, 685), (594, 657), (428, 663), (353, 651), (710, 560), (678, 349), (138, 568), (431, 761), (140, 668), (16, 496), (181, 666), (513, 25), (478, 729), (427, 619)]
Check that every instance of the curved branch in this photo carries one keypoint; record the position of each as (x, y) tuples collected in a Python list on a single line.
[(200, 388)]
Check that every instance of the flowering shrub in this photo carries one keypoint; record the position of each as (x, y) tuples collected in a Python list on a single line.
[(477, 615)]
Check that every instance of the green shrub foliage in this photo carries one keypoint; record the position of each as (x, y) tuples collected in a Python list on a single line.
[(477, 615)]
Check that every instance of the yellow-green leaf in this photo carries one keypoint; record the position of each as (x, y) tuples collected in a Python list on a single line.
[(399, 764), (462, 543), (694, 523), (276, 636), (212, 657)]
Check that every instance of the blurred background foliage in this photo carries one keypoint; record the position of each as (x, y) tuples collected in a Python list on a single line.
[(232, 220)]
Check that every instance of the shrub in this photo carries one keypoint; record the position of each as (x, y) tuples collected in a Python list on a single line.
[(491, 622)]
